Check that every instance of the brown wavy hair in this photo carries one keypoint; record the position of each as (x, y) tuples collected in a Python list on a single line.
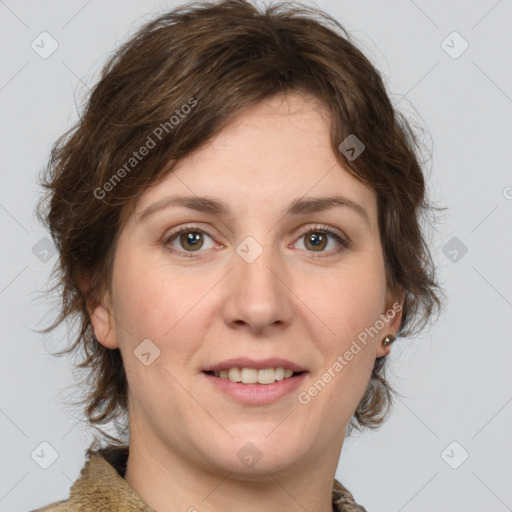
[(221, 58)]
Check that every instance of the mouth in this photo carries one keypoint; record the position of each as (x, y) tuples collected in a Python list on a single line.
[(256, 387), (264, 376), (245, 370)]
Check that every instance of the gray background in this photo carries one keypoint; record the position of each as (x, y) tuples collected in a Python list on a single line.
[(455, 379)]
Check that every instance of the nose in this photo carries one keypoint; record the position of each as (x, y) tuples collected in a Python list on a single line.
[(259, 297)]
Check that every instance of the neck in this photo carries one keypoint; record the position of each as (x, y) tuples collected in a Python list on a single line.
[(166, 481)]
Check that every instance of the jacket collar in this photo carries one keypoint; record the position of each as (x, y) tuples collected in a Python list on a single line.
[(102, 487)]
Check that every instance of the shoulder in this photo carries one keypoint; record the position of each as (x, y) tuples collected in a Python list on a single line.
[(101, 485), (57, 506)]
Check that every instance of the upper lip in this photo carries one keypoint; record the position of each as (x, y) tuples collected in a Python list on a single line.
[(245, 362)]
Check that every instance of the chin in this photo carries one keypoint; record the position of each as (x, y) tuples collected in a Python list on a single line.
[(253, 461)]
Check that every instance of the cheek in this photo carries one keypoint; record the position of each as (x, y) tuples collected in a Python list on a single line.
[(346, 302), (154, 302), (343, 316)]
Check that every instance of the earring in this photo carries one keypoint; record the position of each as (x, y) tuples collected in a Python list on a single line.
[(388, 340)]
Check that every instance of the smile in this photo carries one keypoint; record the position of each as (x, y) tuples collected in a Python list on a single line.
[(256, 393), (254, 376)]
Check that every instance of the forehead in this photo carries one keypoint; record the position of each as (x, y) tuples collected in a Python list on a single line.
[(270, 154)]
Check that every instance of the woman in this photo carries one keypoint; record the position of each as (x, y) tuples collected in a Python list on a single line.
[(238, 220)]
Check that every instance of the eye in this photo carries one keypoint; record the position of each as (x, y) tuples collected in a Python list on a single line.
[(190, 239), (317, 239)]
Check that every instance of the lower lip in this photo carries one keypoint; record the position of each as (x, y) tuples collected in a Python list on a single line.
[(257, 394)]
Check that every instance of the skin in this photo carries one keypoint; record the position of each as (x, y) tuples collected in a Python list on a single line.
[(200, 310)]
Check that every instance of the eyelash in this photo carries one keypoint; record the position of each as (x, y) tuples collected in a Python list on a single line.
[(344, 243)]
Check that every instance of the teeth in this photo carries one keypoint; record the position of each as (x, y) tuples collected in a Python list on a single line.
[(253, 376), (266, 376), (233, 374), (249, 375)]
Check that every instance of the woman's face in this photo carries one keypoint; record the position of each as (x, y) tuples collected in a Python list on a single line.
[(247, 281)]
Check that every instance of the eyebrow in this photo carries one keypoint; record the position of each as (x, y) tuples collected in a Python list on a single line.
[(214, 206)]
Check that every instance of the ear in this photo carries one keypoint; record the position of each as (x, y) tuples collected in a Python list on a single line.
[(393, 314), (103, 324)]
